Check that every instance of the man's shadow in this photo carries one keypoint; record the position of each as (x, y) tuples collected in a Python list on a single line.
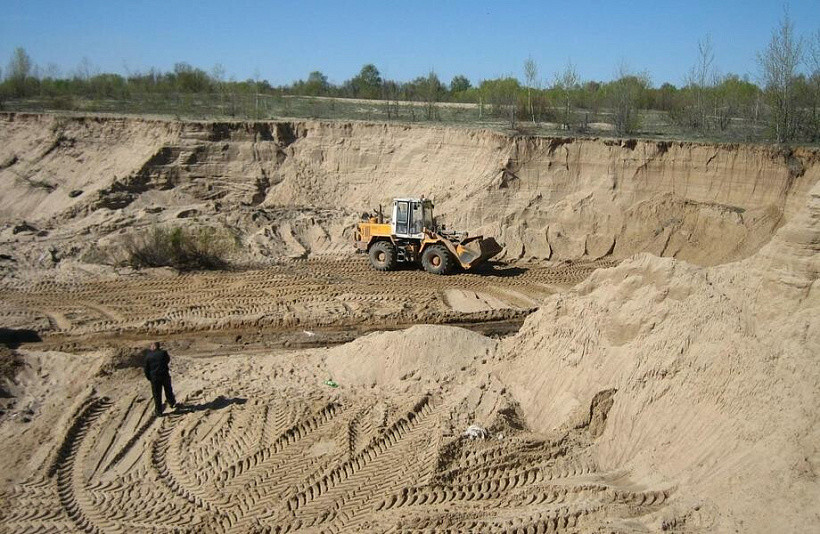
[(14, 337), (217, 404)]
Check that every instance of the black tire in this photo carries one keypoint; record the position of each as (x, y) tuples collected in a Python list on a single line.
[(437, 260), (383, 256)]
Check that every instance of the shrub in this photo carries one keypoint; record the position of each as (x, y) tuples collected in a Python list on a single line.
[(181, 248)]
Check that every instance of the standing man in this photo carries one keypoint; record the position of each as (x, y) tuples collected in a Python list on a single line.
[(156, 370)]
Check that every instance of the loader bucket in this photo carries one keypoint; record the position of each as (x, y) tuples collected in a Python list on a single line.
[(476, 250)]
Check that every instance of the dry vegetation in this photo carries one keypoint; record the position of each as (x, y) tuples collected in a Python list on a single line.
[(778, 103), (184, 249)]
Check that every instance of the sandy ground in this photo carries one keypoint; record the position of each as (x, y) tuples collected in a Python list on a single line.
[(260, 443), (659, 373), (309, 297)]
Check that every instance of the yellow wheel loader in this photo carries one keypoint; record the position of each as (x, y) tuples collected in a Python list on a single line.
[(412, 236)]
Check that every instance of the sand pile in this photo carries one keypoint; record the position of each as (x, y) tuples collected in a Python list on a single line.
[(421, 353), (715, 374)]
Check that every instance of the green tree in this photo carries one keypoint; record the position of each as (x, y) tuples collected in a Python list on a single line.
[(734, 97), (368, 83), (502, 95), (431, 91), (459, 84), (624, 97), (665, 97), (188, 79), (316, 84)]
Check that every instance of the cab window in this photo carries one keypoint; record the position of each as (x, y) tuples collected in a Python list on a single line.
[(416, 222), (428, 216), (402, 212)]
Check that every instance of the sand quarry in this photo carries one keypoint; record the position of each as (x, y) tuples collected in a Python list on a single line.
[(643, 356)]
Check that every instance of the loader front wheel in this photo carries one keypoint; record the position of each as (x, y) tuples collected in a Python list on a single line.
[(437, 260), (383, 256)]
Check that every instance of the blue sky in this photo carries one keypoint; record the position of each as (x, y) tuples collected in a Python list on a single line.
[(284, 41)]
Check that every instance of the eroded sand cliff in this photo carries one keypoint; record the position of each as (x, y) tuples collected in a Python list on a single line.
[(296, 188)]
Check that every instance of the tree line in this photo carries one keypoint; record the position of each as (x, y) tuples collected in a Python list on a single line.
[(784, 103)]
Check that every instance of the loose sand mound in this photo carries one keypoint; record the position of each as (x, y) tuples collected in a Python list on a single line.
[(714, 372), (74, 187), (428, 353)]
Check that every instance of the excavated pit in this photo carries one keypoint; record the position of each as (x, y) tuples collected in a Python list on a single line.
[(664, 378)]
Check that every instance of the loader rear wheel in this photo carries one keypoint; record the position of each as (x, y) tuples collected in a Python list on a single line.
[(383, 256), (437, 260)]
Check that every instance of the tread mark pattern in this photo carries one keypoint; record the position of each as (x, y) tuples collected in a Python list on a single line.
[(293, 295), (344, 465)]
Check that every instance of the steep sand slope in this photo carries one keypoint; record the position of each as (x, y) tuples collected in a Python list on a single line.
[(715, 372), (296, 188), (44, 158), (558, 198)]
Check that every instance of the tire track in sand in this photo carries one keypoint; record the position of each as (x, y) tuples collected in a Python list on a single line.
[(334, 465)]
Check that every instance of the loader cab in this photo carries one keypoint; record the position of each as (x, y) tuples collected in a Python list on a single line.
[(411, 216)]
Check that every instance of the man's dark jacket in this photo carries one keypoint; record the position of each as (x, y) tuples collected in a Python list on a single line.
[(156, 364)]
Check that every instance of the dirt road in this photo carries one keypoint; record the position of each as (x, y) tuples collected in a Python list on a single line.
[(306, 302)]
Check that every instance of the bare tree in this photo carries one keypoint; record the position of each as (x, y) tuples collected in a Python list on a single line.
[(85, 70), (390, 95), (701, 80), (813, 64), (624, 99), (530, 74), (565, 84), (235, 95), (778, 66), (20, 64), (19, 71), (256, 77), (52, 71), (813, 52), (218, 75)]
